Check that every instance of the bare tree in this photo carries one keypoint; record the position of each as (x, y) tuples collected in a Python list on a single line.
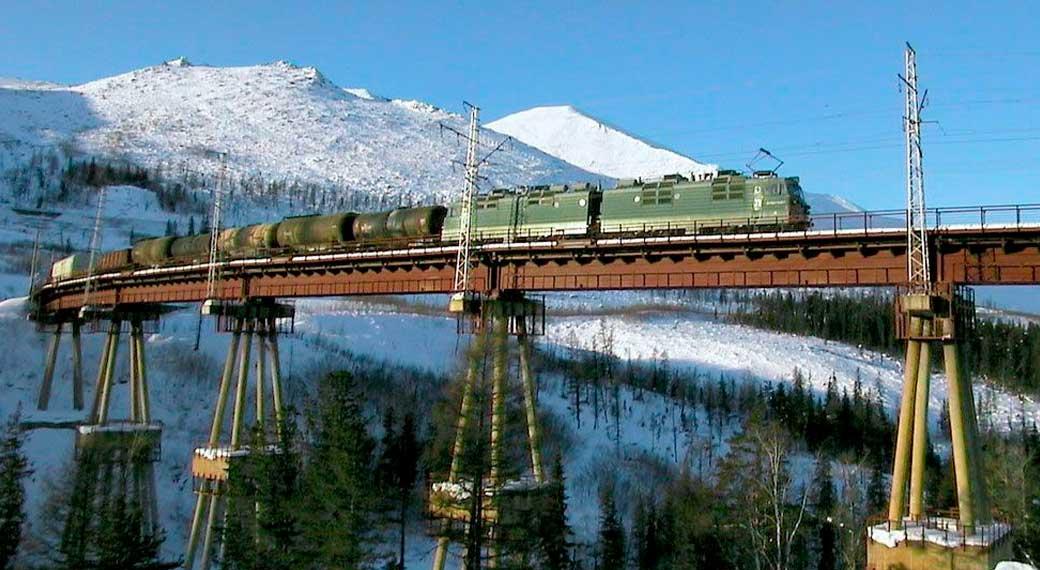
[(770, 507), (851, 514)]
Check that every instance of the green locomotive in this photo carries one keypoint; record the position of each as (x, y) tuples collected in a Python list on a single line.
[(726, 202), (673, 205)]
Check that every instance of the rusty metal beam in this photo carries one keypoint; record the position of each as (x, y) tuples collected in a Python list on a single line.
[(974, 257)]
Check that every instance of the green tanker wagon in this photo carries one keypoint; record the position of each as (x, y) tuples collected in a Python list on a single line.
[(315, 232)]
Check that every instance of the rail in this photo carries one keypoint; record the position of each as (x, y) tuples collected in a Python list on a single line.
[(886, 225), (1001, 216)]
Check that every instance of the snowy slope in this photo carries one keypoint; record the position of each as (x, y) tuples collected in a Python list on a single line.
[(284, 121), (183, 384), (569, 134)]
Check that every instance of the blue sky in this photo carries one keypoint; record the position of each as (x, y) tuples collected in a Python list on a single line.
[(813, 82)]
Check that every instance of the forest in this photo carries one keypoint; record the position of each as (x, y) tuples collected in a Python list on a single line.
[(1004, 351), (348, 480)]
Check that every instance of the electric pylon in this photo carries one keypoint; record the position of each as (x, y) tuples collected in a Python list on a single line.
[(927, 313)]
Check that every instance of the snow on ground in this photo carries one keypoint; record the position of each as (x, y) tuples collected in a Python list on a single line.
[(1014, 566), (711, 347), (942, 531), (183, 383), (126, 210), (287, 122)]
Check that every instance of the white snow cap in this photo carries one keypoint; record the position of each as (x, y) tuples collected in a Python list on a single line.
[(567, 133), (179, 62), (362, 93)]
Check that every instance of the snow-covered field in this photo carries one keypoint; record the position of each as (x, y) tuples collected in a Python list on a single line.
[(712, 347)]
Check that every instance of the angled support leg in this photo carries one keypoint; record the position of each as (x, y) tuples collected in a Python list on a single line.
[(920, 439), (77, 367), (530, 402), (109, 373), (897, 499), (48, 370)]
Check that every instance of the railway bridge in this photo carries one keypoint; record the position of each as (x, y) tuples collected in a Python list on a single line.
[(987, 245)]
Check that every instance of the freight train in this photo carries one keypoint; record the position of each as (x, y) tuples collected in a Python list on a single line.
[(673, 205)]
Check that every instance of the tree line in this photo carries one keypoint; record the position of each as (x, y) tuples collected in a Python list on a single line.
[(1007, 352)]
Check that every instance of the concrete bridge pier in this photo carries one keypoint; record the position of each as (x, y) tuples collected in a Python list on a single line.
[(115, 458), (911, 536), (454, 500), (252, 322)]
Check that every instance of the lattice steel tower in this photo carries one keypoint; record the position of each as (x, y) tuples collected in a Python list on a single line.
[(918, 270)]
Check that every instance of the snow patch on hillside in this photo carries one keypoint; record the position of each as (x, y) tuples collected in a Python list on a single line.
[(362, 93), (711, 347), (279, 120), (569, 134)]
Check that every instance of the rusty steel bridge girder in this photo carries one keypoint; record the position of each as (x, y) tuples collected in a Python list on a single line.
[(970, 256)]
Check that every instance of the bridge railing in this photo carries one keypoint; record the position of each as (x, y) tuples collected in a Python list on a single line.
[(1001, 216)]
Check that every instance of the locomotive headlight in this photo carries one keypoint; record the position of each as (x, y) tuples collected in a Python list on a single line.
[(636, 199), (582, 202)]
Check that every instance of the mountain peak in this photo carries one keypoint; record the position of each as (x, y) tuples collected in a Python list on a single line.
[(179, 62), (278, 119), (569, 134)]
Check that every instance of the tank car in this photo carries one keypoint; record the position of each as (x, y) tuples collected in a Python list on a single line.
[(314, 232), (415, 222), (151, 251), (371, 226)]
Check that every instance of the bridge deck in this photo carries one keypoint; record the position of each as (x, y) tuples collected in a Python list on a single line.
[(981, 253)]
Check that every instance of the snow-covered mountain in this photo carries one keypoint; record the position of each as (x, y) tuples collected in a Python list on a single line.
[(286, 122), (568, 134), (589, 143)]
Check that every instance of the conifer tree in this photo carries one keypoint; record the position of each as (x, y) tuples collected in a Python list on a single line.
[(553, 532), (647, 537), (271, 495), (823, 509), (14, 467), (398, 465), (122, 541), (339, 498), (876, 492), (611, 534)]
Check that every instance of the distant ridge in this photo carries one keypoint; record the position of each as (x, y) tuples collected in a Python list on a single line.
[(568, 134)]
